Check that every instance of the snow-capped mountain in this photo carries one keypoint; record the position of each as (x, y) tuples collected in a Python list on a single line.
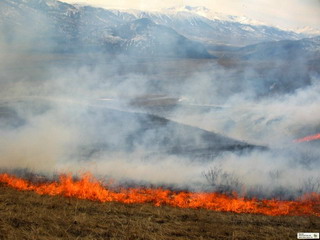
[(201, 24), (212, 15), (184, 32), (66, 27), (308, 31), (144, 37)]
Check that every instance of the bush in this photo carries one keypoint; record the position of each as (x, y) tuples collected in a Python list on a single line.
[(222, 182)]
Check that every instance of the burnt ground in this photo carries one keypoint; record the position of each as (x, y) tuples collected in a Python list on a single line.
[(26, 215)]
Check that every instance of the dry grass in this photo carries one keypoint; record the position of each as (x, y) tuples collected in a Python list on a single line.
[(26, 215)]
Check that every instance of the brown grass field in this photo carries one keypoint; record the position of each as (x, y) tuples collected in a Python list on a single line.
[(27, 215)]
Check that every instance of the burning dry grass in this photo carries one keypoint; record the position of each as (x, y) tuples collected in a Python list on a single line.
[(27, 215), (309, 138), (91, 189)]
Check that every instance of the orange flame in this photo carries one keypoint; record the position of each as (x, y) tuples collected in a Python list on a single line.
[(91, 189), (308, 138)]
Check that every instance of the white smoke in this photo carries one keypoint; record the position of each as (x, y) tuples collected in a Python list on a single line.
[(52, 119)]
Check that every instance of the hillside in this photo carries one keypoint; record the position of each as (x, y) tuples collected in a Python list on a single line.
[(106, 130), (26, 215)]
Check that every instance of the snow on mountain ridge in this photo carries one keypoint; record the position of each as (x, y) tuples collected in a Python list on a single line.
[(88, 22), (308, 30), (201, 11), (188, 11), (193, 24), (212, 15)]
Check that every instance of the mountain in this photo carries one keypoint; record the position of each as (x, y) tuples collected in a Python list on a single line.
[(187, 32), (38, 24), (144, 37), (201, 24), (285, 49), (64, 27), (212, 15), (308, 31), (279, 67)]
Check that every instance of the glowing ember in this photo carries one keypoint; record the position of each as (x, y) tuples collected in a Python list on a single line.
[(309, 138), (91, 189)]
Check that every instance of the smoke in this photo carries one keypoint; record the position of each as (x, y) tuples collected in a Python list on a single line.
[(38, 146), (54, 119), (272, 121)]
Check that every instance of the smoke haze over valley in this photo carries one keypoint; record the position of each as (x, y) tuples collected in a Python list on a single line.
[(159, 98)]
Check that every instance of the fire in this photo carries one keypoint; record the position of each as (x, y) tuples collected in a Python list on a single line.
[(91, 189), (309, 138)]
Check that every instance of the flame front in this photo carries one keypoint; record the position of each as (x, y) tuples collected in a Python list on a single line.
[(309, 138), (91, 189)]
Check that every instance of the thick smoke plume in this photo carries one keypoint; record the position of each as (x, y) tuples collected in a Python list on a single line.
[(142, 120)]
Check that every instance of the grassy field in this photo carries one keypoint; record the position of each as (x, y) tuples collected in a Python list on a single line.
[(26, 215)]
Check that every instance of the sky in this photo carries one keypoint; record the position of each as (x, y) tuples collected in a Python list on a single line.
[(281, 13)]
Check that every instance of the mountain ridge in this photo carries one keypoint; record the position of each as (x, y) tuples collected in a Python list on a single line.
[(67, 27)]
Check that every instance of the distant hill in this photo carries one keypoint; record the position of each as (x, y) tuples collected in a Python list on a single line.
[(286, 49), (107, 130)]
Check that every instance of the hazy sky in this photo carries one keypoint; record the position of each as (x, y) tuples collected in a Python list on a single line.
[(283, 13)]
